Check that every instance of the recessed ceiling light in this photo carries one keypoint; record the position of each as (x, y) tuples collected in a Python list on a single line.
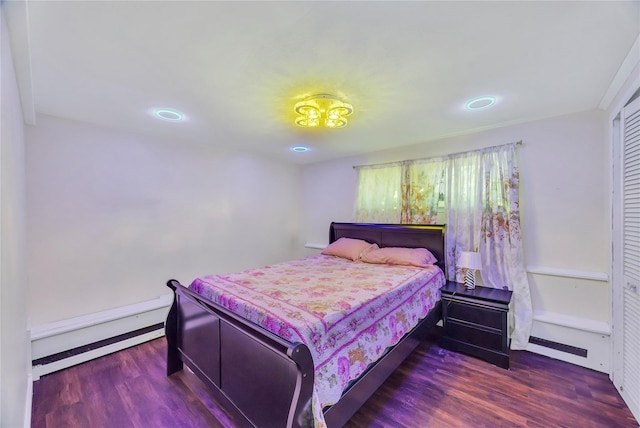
[(168, 114), (299, 149), (480, 103)]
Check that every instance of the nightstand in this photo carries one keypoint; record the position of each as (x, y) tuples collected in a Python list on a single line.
[(475, 322)]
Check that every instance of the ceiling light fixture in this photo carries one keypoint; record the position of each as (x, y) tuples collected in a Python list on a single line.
[(480, 103), (322, 109), (299, 149), (170, 115)]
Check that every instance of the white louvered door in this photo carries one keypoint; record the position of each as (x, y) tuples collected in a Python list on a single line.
[(627, 323)]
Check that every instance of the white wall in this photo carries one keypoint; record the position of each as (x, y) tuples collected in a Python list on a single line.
[(113, 215), (14, 344), (565, 209)]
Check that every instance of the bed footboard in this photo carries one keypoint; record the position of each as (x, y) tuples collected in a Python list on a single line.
[(265, 379)]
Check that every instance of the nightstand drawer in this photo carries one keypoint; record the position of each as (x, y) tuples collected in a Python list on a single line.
[(474, 313), (474, 335)]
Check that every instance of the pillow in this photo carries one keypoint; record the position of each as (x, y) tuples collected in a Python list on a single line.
[(420, 257), (347, 248)]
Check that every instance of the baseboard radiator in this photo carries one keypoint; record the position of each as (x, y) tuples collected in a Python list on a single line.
[(574, 350), (580, 341), (59, 345)]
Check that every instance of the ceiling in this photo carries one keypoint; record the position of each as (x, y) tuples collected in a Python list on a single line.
[(235, 69)]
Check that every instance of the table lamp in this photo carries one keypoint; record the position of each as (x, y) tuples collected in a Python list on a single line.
[(471, 261)]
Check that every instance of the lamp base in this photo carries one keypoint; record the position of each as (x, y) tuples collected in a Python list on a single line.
[(470, 279)]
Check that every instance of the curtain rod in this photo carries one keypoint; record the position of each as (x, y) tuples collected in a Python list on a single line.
[(517, 143)]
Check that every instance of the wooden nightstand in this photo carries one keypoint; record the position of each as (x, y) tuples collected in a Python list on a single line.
[(475, 322)]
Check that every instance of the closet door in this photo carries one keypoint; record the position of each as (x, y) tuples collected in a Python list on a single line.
[(626, 323)]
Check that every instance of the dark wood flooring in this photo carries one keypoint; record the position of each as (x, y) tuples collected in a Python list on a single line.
[(433, 388)]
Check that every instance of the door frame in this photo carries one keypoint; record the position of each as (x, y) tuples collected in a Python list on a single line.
[(616, 127)]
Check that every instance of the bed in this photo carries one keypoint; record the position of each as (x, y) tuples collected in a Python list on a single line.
[(264, 379)]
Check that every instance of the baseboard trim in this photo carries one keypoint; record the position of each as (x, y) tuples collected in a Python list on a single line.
[(590, 339), (44, 369), (578, 323), (95, 345), (62, 344), (563, 356), (59, 327)]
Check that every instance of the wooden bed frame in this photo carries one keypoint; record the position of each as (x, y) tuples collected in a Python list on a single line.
[(264, 380)]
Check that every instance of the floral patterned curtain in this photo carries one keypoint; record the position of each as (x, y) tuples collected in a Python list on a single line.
[(483, 214), (422, 191)]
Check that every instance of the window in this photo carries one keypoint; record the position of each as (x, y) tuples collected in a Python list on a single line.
[(379, 194)]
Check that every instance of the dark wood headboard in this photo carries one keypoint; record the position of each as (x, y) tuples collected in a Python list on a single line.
[(430, 236)]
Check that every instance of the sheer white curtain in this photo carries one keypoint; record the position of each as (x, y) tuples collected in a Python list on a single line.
[(483, 214), (463, 194), (379, 198)]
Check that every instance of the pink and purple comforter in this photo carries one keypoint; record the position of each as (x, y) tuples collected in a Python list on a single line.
[(347, 313)]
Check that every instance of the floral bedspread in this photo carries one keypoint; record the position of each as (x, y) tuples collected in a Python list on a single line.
[(348, 313)]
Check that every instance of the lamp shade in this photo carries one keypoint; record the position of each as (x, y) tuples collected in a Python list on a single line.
[(470, 260)]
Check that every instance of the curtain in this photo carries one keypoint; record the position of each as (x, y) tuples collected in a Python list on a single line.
[(480, 192), (422, 191), (379, 197), (463, 195), (483, 214), (503, 240)]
